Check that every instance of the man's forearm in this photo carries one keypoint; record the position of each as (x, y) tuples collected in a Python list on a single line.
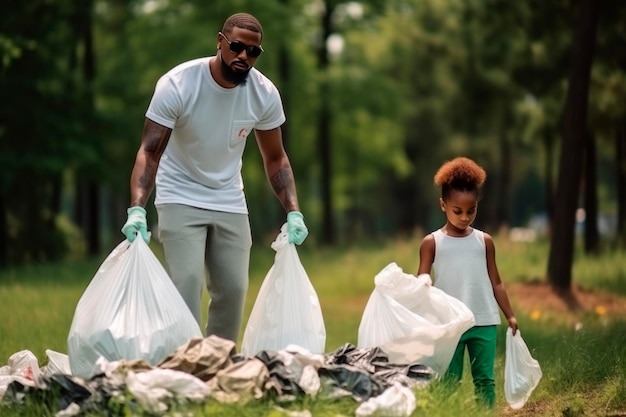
[(283, 184)]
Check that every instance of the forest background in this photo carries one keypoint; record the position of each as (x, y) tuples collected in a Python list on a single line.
[(378, 93)]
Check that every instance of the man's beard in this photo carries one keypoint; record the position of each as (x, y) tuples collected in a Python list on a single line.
[(235, 77)]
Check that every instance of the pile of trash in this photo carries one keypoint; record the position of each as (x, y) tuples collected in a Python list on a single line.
[(133, 336), (210, 368)]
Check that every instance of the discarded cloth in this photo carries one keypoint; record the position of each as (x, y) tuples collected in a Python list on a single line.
[(210, 368)]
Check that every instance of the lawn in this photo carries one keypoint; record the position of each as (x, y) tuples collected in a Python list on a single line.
[(581, 353)]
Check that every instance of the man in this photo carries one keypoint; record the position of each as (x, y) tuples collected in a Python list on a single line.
[(192, 143)]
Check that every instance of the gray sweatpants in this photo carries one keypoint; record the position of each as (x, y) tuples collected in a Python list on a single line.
[(212, 248)]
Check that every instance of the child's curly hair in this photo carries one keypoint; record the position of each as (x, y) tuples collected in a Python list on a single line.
[(460, 174)]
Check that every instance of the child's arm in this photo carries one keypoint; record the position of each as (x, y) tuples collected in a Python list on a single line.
[(499, 291), (427, 254)]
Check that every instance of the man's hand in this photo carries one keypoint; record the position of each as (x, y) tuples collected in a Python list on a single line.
[(136, 224), (296, 229)]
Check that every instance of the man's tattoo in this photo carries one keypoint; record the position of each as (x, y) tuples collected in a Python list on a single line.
[(282, 182), (146, 180), (156, 139)]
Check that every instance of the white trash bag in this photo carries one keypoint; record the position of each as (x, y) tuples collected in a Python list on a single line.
[(130, 310), (412, 321), (156, 388), (396, 401), (522, 372), (22, 367), (58, 363), (287, 310)]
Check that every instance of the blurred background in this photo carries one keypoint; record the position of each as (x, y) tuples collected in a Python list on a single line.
[(377, 94)]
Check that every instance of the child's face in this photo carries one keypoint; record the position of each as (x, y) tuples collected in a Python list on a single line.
[(461, 208)]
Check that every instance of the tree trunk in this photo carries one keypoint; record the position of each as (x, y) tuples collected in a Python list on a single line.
[(592, 235), (83, 25), (549, 192), (620, 155), (4, 234), (572, 147), (325, 120), (284, 69), (503, 184)]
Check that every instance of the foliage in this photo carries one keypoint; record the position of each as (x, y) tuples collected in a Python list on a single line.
[(411, 83), (41, 129)]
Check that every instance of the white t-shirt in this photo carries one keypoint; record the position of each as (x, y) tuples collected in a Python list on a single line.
[(460, 269), (201, 165)]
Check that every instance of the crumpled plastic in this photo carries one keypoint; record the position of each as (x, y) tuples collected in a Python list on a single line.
[(23, 367), (412, 321), (201, 357), (210, 368), (396, 401), (240, 382), (377, 364), (153, 389), (347, 380), (292, 372)]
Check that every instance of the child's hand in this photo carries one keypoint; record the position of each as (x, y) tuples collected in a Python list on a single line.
[(513, 324), (427, 279)]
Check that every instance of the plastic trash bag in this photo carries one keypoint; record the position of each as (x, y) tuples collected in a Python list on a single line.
[(522, 372), (155, 389), (412, 321), (22, 367), (287, 310), (396, 401), (130, 310), (58, 363)]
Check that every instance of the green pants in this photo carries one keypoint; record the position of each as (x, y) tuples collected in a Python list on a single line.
[(481, 348), (212, 248)]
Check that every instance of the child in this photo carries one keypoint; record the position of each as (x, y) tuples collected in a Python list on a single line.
[(463, 260)]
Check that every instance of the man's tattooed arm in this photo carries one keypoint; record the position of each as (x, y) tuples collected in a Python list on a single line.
[(153, 142)]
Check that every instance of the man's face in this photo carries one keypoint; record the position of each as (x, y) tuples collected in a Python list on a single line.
[(235, 66)]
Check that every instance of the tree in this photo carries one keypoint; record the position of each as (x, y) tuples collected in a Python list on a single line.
[(87, 188), (608, 111), (41, 128), (620, 163), (592, 234), (572, 148), (324, 125)]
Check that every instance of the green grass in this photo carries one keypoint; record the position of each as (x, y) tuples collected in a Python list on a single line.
[(584, 371)]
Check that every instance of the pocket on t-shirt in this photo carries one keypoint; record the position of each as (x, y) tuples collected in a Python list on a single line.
[(240, 131)]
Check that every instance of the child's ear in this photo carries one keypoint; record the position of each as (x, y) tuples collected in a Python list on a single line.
[(442, 204)]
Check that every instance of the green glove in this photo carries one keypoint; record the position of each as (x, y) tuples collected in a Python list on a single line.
[(296, 230), (135, 224)]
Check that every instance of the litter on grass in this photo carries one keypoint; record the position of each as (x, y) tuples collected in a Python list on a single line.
[(210, 368), (406, 337)]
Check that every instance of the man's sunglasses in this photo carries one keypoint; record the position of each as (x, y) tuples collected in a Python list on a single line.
[(236, 47)]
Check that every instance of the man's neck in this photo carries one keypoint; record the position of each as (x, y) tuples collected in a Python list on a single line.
[(216, 73)]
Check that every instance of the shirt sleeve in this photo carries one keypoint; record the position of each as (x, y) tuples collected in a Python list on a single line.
[(166, 103), (274, 115)]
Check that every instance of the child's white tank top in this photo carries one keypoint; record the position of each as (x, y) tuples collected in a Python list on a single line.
[(460, 269)]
